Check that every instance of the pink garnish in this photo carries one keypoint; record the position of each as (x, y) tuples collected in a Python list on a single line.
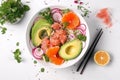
[(75, 1), (104, 15), (81, 2)]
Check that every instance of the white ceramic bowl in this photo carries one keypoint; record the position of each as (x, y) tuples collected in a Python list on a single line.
[(66, 63)]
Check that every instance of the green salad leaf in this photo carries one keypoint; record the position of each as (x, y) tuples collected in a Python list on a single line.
[(12, 10)]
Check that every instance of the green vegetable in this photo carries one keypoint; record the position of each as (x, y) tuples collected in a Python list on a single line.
[(3, 31), (12, 10), (42, 70), (35, 62), (84, 10), (65, 11), (47, 15), (17, 44), (17, 54), (65, 24), (81, 37)]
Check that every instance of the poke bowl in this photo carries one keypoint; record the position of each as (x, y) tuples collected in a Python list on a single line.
[(57, 36)]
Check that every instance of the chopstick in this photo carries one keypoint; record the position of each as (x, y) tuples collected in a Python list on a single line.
[(89, 52)]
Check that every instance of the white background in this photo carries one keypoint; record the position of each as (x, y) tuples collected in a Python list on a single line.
[(27, 70)]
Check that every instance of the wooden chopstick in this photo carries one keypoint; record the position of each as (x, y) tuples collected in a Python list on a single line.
[(89, 52)]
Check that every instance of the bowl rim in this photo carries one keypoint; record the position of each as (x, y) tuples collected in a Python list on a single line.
[(51, 64)]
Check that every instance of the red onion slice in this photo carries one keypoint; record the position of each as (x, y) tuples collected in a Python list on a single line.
[(37, 53), (83, 32), (71, 36), (82, 27)]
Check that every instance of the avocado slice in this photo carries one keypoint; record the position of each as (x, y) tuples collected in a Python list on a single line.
[(39, 30), (71, 49)]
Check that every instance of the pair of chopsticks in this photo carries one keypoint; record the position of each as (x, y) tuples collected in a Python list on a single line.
[(89, 52)]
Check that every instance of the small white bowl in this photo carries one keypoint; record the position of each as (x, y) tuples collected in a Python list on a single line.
[(66, 63)]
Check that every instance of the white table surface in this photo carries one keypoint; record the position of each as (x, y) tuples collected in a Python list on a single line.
[(27, 70)]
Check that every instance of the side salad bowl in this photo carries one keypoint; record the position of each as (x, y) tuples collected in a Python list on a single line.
[(76, 39)]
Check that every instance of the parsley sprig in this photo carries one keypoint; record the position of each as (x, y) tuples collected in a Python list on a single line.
[(82, 37), (17, 54), (65, 11), (84, 10), (12, 10), (3, 30), (47, 15)]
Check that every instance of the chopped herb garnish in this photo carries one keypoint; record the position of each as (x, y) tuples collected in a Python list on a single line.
[(65, 24), (81, 37), (12, 10), (35, 62), (65, 11), (17, 54), (42, 69), (47, 15), (3, 31), (84, 10), (17, 44)]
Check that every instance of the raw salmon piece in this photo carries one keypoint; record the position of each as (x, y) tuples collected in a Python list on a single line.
[(63, 38), (54, 41), (45, 44), (56, 26)]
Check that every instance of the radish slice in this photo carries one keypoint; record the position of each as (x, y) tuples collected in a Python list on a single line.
[(57, 16), (37, 53), (54, 10)]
